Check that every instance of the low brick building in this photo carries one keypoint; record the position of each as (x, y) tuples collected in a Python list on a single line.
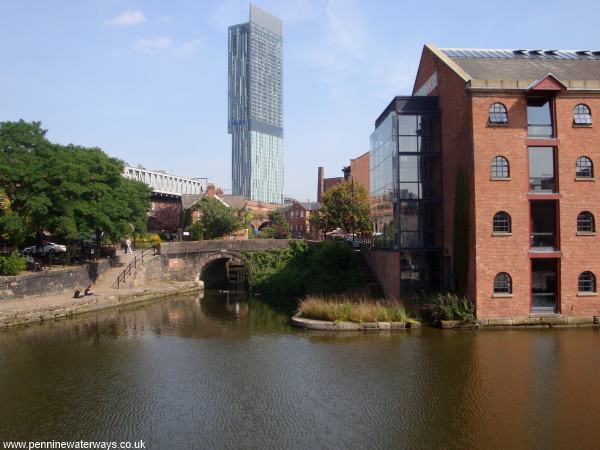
[(504, 142), (298, 218)]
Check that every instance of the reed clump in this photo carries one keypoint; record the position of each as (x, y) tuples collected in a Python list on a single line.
[(357, 309)]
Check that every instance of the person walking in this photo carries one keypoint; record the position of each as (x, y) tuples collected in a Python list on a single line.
[(127, 246)]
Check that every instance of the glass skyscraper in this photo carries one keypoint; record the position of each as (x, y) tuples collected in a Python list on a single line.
[(256, 107)]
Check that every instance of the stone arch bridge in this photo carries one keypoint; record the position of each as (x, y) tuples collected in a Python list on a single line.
[(214, 262)]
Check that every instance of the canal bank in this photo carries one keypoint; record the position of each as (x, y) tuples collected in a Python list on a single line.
[(47, 308)]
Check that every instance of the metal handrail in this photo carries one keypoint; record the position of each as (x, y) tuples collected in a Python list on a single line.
[(131, 266)]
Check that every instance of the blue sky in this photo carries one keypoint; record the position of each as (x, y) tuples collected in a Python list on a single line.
[(147, 80)]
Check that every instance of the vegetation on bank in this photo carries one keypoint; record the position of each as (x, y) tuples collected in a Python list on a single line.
[(11, 265), (300, 269), (352, 309), (448, 306)]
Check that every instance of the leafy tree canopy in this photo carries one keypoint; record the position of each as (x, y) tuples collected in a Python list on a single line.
[(215, 220), (69, 191), (340, 205)]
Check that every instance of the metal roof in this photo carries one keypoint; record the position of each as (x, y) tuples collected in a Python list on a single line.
[(496, 68), (581, 55)]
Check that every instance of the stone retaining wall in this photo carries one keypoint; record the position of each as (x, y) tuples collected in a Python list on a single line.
[(53, 281), (90, 304), (312, 324)]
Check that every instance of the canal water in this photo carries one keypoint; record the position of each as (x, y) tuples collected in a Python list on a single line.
[(229, 372)]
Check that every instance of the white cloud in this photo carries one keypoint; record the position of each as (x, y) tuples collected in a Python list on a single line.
[(152, 45), (190, 47), (127, 18)]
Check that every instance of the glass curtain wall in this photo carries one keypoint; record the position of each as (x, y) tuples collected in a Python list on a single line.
[(383, 163), (406, 194)]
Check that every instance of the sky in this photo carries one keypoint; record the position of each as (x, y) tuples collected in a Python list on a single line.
[(146, 80)]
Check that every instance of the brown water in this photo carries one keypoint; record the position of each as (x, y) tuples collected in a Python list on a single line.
[(191, 373)]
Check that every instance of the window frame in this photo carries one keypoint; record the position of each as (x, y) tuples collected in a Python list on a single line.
[(589, 285), (587, 227), (498, 167), (502, 286), (580, 165), (582, 119), (502, 223), (502, 114)]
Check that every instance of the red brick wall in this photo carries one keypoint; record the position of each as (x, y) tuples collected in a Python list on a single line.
[(457, 144), (360, 169), (501, 253), (579, 253), (385, 265), (510, 253), (299, 226)]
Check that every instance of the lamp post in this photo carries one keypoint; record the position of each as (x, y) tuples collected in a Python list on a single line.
[(348, 174)]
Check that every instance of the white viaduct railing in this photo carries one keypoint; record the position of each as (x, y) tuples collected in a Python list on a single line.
[(162, 183)]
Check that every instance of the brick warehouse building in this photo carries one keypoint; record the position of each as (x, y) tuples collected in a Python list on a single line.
[(518, 125)]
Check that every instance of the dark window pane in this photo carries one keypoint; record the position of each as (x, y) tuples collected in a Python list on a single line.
[(541, 169), (544, 284), (428, 126), (502, 284), (543, 224), (587, 282), (501, 223), (585, 222)]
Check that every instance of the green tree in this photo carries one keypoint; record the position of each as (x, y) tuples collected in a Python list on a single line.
[(278, 227), (215, 221), (343, 205), (69, 191), (461, 236)]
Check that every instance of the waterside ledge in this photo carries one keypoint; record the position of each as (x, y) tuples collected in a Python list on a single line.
[(94, 303), (312, 324)]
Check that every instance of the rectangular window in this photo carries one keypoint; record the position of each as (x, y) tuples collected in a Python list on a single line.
[(541, 169), (543, 225), (539, 117)]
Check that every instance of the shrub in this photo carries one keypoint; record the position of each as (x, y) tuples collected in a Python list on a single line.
[(449, 306), (301, 269), (12, 265), (352, 309)]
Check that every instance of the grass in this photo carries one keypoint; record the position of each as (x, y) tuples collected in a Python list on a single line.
[(352, 309)]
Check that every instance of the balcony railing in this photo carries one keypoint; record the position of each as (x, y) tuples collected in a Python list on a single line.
[(543, 242)]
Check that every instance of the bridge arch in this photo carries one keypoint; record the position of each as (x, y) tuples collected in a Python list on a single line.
[(220, 269)]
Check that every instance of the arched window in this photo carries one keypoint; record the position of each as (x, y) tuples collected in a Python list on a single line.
[(585, 222), (584, 167), (501, 223), (500, 167), (498, 114), (587, 282), (582, 115), (502, 283)]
